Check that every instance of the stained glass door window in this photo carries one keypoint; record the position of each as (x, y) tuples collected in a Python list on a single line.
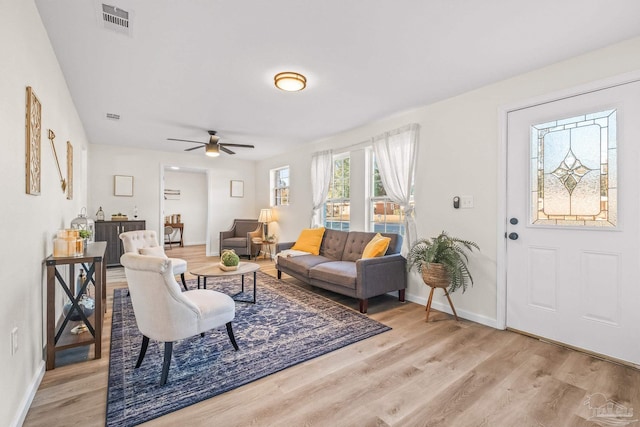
[(573, 171)]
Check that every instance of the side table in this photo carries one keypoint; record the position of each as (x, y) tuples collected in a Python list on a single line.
[(263, 244), (59, 336)]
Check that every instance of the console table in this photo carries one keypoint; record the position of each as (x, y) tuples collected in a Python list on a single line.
[(59, 336), (176, 226)]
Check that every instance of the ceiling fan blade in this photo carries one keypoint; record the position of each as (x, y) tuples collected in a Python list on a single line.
[(237, 145), (226, 150), (186, 140), (193, 148)]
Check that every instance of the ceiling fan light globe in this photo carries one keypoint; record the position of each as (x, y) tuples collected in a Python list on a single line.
[(290, 82), (212, 150)]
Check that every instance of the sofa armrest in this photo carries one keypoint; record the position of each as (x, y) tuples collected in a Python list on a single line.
[(377, 276), (226, 234), (283, 246)]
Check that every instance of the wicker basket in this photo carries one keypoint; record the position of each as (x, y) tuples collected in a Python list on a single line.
[(435, 275)]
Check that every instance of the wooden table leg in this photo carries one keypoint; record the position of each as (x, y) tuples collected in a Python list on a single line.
[(51, 292), (99, 314)]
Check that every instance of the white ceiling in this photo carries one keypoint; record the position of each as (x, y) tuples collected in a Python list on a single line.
[(192, 65)]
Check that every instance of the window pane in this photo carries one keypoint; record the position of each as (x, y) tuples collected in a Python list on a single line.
[(574, 171), (387, 217), (337, 207)]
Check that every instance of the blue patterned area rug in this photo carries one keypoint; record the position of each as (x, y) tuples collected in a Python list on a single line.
[(288, 325)]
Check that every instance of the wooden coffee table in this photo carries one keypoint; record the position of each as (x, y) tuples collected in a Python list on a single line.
[(215, 271)]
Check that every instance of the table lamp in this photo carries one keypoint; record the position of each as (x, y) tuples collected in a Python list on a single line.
[(266, 216)]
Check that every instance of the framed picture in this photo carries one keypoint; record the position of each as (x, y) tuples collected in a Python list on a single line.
[(123, 185), (69, 171), (33, 154), (237, 188)]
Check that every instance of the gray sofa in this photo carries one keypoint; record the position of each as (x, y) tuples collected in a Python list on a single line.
[(338, 267)]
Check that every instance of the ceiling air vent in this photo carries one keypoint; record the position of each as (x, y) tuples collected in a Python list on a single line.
[(113, 116), (115, 19)]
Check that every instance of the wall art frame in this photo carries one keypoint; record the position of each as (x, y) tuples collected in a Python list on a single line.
[(237, 188), (123, 185), (33, 147)]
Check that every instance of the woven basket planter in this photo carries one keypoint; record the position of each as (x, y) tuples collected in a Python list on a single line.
[(435, 275)]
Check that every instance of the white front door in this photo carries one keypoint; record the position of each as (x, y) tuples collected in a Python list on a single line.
[(573, 181)]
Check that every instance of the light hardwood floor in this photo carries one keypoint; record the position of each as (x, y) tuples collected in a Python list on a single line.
[(441, 373)]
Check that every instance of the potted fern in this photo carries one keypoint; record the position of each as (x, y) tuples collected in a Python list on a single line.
[(442, 261)]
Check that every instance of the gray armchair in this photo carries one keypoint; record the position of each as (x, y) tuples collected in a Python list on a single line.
[(239, 237)]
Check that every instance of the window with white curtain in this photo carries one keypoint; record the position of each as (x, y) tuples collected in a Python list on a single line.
[(280, 186), (385, 216), (337, 206)]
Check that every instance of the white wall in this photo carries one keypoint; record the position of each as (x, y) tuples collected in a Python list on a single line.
[(458, 155), (192, 205), (146, 167), (30, 221)]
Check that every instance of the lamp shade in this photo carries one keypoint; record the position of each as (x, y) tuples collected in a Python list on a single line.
[(212, 150), (266, 216), (290, 82)]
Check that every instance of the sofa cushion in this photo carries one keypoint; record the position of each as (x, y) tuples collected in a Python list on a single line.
[(244, 227), (333, 244), (356, 242), (153, 251), (235, 242), (301, 264), (309, 240), (342, 273), (376, 247)]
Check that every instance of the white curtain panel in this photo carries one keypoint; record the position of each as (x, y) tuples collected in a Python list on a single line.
[(396, 154), (321, 172)]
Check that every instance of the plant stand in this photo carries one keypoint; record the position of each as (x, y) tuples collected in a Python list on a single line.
[(446, 293)]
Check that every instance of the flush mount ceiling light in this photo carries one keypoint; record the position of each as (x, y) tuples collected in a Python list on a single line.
[(212, 150), (289, 81)]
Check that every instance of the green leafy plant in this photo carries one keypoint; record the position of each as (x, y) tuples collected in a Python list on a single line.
[(450, 252), (84, 234), (229, 258)]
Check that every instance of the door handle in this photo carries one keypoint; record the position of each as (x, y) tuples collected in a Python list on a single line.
[(513, 236)]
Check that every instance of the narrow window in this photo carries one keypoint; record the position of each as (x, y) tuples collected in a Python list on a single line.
[(337, 207), (280, 186)]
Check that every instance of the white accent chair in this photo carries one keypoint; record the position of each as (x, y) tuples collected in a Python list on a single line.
[(145, 242), (164, 313)]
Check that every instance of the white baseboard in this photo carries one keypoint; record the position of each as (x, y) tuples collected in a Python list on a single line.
[(474, 317), (28, 398)]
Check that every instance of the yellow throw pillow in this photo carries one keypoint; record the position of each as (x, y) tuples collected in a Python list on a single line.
[(376, 247), (309, 240)]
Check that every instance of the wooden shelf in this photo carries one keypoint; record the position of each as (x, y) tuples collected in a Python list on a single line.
[(93, 260)]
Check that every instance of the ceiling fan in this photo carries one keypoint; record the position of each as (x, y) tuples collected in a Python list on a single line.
[(213, 147)]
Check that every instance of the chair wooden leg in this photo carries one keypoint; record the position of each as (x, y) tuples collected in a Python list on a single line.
[(184, 283), (279, 274), (428, 307), (143, 351), (168, 349), (401, 295), (231, 336), (446, 292)]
